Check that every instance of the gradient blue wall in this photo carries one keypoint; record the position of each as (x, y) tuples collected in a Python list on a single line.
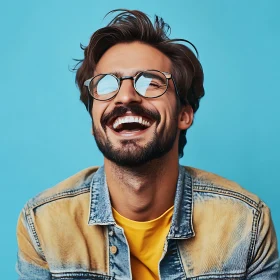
[(45, 130)]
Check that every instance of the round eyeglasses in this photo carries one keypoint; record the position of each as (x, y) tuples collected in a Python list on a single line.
[(149, 84)]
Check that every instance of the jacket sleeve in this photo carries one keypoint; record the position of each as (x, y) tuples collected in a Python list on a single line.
[(30, 263), (265, 259)]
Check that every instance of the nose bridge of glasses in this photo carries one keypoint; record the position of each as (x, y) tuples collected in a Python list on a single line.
[(127, 93), (126, 78)]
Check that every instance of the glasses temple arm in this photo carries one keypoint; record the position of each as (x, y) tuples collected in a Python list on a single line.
[(177, 92)]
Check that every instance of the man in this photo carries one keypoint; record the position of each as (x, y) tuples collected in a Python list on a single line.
[(142, 215)]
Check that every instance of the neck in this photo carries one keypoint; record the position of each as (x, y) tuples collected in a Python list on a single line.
[(143, 193)]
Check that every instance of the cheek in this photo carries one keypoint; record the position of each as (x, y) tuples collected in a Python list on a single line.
[(169, 109), (97, 112), (94, 114), (168, 113)]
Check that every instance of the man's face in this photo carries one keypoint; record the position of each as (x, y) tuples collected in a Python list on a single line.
[(153, 123)]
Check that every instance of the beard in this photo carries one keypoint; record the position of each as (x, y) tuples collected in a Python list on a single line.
[(131, 154)]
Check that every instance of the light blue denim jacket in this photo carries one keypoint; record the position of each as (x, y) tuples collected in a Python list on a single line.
[(218, 231)]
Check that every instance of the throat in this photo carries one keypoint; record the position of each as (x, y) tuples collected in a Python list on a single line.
[(144, 192)]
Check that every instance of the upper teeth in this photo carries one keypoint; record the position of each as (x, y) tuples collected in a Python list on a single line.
[(130, 119)]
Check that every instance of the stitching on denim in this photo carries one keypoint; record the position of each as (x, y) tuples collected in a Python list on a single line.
[(94, 198), (106, 241), (110, 257), (230, 193), (256, 220), (34, 233), (218, 276), (96, 186), (90, 202), (82, 188), (79, 274), (180, 259), (192, 205), (65, 194), (183, 207)]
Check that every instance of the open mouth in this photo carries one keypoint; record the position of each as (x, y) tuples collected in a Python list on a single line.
[(130, 124)]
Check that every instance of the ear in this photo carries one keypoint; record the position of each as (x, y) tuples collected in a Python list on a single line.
[(185, 118)]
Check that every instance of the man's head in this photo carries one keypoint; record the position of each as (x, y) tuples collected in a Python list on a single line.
[(129, 45)]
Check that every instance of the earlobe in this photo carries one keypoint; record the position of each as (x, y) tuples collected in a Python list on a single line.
[(185, 117)]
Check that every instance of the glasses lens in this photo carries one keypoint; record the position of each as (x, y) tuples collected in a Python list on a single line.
[(104, 86), (151, 83)]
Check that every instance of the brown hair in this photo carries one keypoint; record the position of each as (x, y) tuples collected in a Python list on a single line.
[(129, 26)]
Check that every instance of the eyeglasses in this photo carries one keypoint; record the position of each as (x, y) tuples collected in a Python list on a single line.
[(149, 84)]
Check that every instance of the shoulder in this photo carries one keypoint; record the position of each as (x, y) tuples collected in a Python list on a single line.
[(208, 183), (228, 217), (62, 208), (73, 186)]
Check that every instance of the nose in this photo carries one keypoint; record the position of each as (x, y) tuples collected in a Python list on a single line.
[(127, 93)]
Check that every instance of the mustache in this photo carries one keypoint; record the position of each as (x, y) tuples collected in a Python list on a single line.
[(133, 108)]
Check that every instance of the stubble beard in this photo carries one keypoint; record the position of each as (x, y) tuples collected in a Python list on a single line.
[(131, 154)]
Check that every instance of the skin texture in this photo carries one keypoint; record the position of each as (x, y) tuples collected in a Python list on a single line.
[(145, 191)]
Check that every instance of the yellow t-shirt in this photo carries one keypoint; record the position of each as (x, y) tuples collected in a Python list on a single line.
[(146, 241)]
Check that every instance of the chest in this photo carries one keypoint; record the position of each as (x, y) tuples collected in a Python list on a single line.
[(109, 257)]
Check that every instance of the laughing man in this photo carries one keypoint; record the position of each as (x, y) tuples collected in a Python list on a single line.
[(142, 215)]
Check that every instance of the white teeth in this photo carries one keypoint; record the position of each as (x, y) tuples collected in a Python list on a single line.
[(130, 119), (116, 123)]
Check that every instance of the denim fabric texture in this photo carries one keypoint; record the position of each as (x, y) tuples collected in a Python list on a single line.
[(218, 231)]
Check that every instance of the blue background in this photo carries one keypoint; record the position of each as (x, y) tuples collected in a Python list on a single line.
[(46, 132)]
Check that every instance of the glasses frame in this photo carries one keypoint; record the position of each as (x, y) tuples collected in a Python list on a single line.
[(167, 75)]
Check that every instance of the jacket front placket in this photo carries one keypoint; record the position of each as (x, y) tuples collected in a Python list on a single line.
[(118, 254), (170, 266)]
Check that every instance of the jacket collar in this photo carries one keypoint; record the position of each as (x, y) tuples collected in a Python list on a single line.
[(100, 204), (181, 224)]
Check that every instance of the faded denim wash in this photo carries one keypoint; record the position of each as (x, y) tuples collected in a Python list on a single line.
[(218, 231)]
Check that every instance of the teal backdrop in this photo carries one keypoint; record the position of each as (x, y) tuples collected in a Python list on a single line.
[(46, 131)]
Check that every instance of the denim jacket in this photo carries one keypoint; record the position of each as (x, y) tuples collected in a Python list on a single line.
[(218, 231)]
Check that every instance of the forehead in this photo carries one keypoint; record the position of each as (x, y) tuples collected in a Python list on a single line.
[(129, 58)]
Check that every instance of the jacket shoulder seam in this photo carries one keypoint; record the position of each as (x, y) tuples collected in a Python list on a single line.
[(31, 225), (255, 225), (226, 192), (57, 196)]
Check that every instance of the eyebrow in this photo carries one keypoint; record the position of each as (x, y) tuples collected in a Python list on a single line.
[(121, 74), (159, 77)]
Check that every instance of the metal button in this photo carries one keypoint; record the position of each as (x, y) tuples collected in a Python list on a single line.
[(111, 233), (113, 249)]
